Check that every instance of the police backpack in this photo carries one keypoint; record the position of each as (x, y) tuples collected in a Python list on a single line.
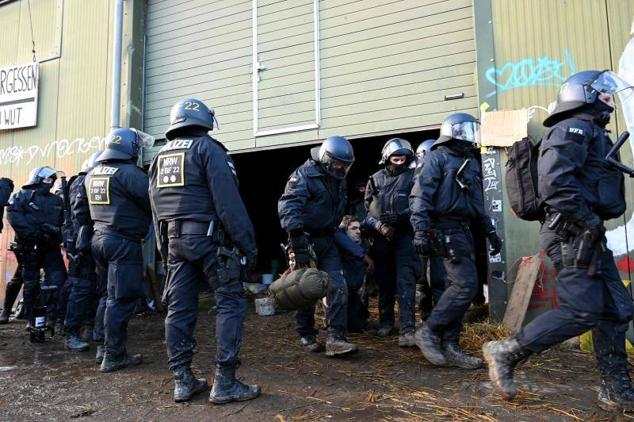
[(521, 180)]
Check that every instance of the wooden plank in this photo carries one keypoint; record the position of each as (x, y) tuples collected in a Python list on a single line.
[(527, 273)]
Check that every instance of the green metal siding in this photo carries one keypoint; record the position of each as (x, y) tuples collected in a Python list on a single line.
[(74, 47), (386, 66), (537, 45)]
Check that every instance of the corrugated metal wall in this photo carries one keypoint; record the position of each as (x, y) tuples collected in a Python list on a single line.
[(386, 65), (538, 44), (73, 46)]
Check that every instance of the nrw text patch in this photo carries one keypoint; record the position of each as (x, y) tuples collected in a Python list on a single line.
[(99, 191), (171, 170)]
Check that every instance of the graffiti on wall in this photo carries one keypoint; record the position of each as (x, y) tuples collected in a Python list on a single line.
[(530, 71), (25, 154)]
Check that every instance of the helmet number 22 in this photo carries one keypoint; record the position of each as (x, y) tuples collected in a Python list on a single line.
[(189, 105)]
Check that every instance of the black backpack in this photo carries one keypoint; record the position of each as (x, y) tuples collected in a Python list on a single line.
[(521, 180)]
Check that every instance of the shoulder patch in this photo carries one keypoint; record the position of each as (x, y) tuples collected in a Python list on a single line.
[(104, 171), (576, 130)]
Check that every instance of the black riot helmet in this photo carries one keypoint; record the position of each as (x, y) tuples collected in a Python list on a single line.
[(462, 127), (44, 175), (335, 155), (424, 148), (189, 113), (396, 146), (583, 89), (124, 144)]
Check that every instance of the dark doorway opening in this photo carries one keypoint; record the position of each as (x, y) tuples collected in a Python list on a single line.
[(263, 175)]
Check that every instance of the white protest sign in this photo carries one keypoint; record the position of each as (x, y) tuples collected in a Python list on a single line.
[(18, 95)]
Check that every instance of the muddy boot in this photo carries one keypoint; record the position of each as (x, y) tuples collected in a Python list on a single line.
[(384, 330), (455, 356), (9, 298), (101, 351), (311, 344), (227, 388), (337, 345), (186, 385), (502, 358), (76, 344), (407, 340), (616, 395), (111, 364), (430, 344), (4, 316)]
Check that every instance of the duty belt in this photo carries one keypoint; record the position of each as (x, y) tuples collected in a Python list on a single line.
[(176, 228), (451, 223)]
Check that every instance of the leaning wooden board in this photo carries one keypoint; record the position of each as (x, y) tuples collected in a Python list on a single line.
[(527, 273)]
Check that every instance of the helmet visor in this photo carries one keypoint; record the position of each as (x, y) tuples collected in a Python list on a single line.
[(610, 83), (334, 167), (467, 131), (145, 140)]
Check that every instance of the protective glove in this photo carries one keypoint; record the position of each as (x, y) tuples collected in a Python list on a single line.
[(495, 242), (299, 248), (387, 231), (594, 225), (252, 260), (422, 244)]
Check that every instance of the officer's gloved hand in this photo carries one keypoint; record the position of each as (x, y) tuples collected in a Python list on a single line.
[(299, 247), (421, 243), (594, 225), (252, 260), (495, 242)]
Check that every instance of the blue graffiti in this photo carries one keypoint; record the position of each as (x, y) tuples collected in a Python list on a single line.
[(531, 71)]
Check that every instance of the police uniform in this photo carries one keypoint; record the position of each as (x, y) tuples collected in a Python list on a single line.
[(81, 269), (204, 231), (314, 202), (120, 208), (575, 180), (36, 216), (397, 266)]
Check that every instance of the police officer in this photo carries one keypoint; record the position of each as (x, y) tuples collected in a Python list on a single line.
[(120, 208), (6, 187), (446, 200), (433, 285), (579, 191), (36, 216), (397, 265), (204, 230), (81, 267), (310, 209)]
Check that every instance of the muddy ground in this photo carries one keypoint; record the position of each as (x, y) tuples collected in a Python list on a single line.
[(44, 382)]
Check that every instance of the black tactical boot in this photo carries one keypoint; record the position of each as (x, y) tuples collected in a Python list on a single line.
[(4, 315), (9, 298), (384, 330), (455, 356), (338, 345), (186, 385), (76, 344), (101, 351), (616, 394), (111, 364), (227, 388), (407, 340), (502, 358), (311, 344), (430, 344)]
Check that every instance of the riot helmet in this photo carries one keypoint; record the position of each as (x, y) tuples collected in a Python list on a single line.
[(42, 176), (396, 146), (424, 148), (335, 155), (190, 112), (125, 144), (462, 127), (89, 163), (585, 89)]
